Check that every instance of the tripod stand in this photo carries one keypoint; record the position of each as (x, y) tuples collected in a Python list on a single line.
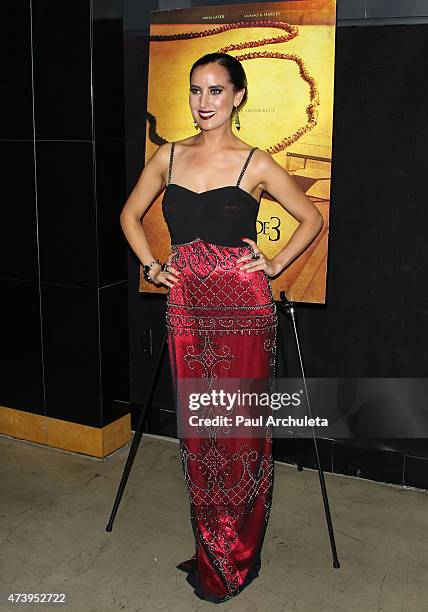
[(287, 307)]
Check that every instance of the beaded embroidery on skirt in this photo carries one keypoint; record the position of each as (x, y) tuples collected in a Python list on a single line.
[(222, 322)]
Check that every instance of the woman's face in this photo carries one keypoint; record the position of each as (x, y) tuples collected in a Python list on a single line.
[(211, 96)]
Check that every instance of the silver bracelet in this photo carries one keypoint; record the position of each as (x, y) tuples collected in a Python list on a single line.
[(148, 267)]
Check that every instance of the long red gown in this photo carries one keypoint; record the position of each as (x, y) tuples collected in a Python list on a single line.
[(221, 323)]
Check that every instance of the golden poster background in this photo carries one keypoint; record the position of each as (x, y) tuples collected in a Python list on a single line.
[(287, 51)]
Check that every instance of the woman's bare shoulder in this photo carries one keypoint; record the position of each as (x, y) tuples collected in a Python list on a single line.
[(186, 142), (260, 160), (262, 157), (162, 152)]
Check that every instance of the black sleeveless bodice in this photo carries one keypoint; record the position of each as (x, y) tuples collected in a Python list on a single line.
[(220, 216)]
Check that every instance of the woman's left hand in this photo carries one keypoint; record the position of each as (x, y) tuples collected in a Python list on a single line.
[(248, 264)]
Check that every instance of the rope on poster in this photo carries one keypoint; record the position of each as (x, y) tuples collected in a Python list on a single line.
[(312, 109)]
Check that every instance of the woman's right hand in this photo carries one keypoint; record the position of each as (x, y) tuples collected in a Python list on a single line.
[(167, 277)]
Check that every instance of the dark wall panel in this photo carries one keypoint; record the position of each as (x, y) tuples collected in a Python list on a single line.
[(63, 271)]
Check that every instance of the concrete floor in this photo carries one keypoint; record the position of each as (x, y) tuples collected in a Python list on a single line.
[(55, 506)]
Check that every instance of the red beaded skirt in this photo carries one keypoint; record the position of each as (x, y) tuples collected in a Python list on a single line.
[(222, 323)]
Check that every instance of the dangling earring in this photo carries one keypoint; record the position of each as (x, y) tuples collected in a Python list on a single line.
[(195, 123), (237, 124)]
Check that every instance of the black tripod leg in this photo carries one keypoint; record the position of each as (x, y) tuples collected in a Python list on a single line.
[(137, 436), (288, 307), (336, 563), (284, 361)]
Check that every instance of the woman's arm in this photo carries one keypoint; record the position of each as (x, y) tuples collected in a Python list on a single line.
[(147, 188), (276, 181)]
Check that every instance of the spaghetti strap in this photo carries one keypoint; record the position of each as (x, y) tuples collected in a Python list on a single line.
[(245, 165), (170, 162)]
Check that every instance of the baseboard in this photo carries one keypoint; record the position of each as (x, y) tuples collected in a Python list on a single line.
[(93, 441)]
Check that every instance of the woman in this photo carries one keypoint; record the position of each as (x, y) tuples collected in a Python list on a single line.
[(221, 316)]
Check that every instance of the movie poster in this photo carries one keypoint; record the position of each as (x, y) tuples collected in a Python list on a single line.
[(287, 51)]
